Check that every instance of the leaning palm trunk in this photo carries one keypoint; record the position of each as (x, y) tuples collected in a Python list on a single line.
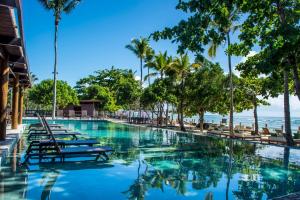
[(287, 116), (231, 88), (55, 69)]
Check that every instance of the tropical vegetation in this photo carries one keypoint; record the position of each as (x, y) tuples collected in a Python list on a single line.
[(190, 83)]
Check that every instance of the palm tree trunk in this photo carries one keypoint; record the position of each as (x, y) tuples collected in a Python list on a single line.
[(167, 114), (255, 118), (231, 88), (287, 115), (55, 69), (161, 106), (141, 83), (148, 76), (182, 128)]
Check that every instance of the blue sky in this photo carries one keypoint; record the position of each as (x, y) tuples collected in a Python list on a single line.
[(94, 35)]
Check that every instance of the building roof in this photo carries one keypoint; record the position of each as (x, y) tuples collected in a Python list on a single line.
[(12, 42), (90, 101)]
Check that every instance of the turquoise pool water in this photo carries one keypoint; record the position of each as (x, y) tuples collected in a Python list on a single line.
[(157, 164)]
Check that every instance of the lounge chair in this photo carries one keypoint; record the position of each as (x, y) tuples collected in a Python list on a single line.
[(37, 144), (40, 124), (71, 114), (84, 114), (56, 151)]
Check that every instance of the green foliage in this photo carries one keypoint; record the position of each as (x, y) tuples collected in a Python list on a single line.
[(206, 92), (121, 85), (104, 95), (41, 94)]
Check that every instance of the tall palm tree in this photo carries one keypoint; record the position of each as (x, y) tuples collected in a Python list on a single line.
[(58, 7), (182, 67), (161, 63), (230, 27), (140, 47), (149, 57)]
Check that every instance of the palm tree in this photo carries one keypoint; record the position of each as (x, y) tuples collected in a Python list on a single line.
[(182, 67), (140, 47), (33, 78), (161, 63), (233, 16), (149, 57), (58, 7)]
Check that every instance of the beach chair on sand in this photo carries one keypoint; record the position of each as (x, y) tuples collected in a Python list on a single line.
[(56, 151)]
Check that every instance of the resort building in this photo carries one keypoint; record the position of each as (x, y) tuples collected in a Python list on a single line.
[(14, 68)]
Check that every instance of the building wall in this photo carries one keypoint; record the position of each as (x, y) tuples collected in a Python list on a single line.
[(89, 108)]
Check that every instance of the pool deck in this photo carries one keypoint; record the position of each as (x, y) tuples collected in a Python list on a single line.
[(294, 196), (12, 137)]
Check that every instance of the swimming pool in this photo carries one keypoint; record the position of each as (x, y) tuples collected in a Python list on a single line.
[(157, 164)]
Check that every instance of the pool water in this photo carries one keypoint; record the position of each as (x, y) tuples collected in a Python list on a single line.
[(156, 164)]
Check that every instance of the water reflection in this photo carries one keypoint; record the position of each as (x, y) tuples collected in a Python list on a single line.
[(160, 164)]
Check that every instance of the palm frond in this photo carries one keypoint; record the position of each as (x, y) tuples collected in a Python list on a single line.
[(46, 4), (153, 74), (132, 48), (212, 50), (70, 6)]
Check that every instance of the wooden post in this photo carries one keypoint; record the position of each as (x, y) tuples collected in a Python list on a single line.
[(4, 78), (15, 103), (21, 99)]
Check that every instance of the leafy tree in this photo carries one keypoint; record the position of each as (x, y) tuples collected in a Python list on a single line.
[(270, 63), (181, 68), (274, 26), (41, 94), (210, 22), (121, 83), (157, 94), (205, 91), (252, 94), (104, 95), (58, 7)]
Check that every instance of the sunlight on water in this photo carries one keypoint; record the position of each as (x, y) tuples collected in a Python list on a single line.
[(155, 164)]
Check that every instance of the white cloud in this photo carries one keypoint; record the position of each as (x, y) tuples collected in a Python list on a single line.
[(276, 108), (250, 54), (244, 59)]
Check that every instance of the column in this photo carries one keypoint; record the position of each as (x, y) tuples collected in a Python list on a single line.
[(15, 103), (21, 100), (4, 78)]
